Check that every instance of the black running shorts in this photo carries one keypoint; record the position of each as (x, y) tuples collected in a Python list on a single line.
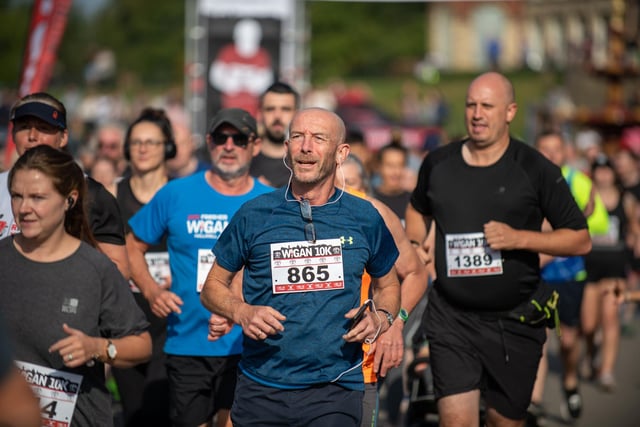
[(473, 352), (199, 387)]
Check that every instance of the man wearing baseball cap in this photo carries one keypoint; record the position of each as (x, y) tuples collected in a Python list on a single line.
[(41, 119), (191, 213)]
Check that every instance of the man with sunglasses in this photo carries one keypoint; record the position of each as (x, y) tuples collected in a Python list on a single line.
[(304, 248), (192, 212)]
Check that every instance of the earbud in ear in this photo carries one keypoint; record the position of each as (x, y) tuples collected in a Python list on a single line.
[(70, 201)]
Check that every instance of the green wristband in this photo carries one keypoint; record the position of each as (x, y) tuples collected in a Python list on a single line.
[(403, 315)]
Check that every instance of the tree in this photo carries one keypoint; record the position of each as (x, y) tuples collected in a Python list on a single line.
[(364, 39)]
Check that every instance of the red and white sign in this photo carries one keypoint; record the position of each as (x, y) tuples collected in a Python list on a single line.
[(48, 22)]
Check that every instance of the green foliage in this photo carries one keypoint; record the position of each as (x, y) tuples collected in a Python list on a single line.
[(364, 39), (74, 50), (14, 27), (147, 36), (375, 43), (530, 89)]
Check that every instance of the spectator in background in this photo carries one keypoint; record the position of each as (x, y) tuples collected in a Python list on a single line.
[(607, 268), (358, 147), (588, 144), (185, 162), (392, 169), (148, 144), (354, 174), (80, 314), (276, 107), (104, 171), (627, 168), (110, 142)]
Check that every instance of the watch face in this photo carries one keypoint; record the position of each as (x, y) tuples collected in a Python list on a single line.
[(112, 351)]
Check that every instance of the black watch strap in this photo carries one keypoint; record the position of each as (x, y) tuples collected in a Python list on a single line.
[(388, 315)]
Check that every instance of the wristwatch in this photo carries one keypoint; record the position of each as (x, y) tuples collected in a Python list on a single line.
[(403, 315), (388, 315), (112, 351)]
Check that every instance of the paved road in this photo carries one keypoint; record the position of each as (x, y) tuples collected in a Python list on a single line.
[(620, 408)]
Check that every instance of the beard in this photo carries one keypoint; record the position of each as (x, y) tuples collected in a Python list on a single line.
[(228, 174), (275, 137)]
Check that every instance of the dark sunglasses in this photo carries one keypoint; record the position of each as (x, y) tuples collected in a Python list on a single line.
[(309, 228), (239, 139)]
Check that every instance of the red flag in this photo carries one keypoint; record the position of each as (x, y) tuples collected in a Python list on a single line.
[(48, 21)]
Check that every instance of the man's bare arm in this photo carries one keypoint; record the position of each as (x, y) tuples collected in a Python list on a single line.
[(117, 254), (560, 242), (161, 300), (219, 297)]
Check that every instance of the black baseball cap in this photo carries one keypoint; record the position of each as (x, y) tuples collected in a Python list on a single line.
[(236, 117), (44, 112)]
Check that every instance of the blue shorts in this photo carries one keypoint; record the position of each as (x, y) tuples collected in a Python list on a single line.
[(325, 405), (468, 352)]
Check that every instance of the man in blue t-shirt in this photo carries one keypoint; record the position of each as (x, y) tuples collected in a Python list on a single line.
[(191, 213), (303, 249)]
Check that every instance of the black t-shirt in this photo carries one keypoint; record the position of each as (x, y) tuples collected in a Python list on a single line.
[(272, 169), (129, 205), (397, 202), (520, 189), (105, 219)]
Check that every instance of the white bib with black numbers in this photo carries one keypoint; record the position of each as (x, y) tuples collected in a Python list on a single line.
[(205, 262), (56, 390), (468, 255), (305, 266)]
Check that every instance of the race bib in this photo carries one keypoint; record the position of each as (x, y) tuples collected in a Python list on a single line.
[(469, 255), (158, 265), (305, 266), (57, 391), (205, 262)]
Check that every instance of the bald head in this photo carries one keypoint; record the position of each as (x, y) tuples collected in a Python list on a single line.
[(315, 146), (498, 83), (490, 108), (329, 118)]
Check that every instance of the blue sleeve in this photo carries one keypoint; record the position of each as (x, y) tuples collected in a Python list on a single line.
[(384, 252), (150, 223), (230, 249)]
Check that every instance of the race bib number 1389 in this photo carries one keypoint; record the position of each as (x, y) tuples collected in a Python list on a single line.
[(469, 255)]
